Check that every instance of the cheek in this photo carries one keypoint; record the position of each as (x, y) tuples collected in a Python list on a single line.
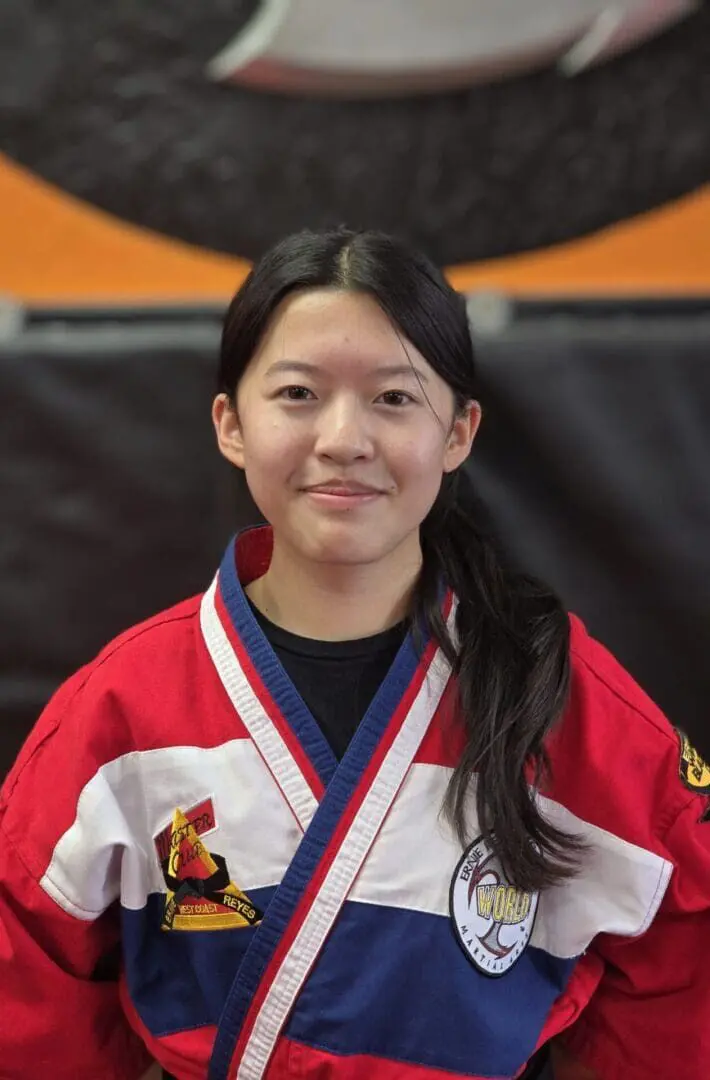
[(266, 471), (272, 445), (274, 453), (420, 458)]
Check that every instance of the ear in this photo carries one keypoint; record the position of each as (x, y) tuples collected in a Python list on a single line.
[(228, 430), (461, 436)]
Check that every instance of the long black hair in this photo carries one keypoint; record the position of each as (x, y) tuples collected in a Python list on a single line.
[(511, 657)]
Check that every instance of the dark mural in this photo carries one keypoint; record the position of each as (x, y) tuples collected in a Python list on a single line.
[(111, 102)]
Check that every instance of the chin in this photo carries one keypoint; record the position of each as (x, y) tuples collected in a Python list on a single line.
[(344, 554), (350, 547)]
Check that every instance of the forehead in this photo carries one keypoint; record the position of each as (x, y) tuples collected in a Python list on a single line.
[(332, 327)]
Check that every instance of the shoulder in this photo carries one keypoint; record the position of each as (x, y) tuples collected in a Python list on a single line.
[(615, 757), (112, 706), (145, 641), (138, 659), (602, 675), (147, 656), (601, 684)]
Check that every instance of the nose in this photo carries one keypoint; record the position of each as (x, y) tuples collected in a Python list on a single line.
[(342, 432)]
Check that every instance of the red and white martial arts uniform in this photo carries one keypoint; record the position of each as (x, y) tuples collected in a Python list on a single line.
[(279, 913)]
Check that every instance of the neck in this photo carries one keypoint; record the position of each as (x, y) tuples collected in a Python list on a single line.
[(332, 602)]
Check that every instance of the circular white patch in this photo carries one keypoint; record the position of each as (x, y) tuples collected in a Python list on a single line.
[(492, 919)]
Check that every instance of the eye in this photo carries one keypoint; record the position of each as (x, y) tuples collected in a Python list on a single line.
[(397, 398), (295, 393)]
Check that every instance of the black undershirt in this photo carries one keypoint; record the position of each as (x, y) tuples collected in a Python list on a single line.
[(336, 679)]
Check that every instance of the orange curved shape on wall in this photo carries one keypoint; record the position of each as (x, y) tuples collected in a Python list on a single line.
[(664, 252), (55, 248)]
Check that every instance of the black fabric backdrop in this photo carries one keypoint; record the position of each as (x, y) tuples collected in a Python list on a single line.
[(594, 462)]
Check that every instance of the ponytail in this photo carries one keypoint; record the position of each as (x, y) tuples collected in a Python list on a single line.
[(512, 669)]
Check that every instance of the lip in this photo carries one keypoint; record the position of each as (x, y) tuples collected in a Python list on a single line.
[(343, 491), (349, 500), (337, 496)]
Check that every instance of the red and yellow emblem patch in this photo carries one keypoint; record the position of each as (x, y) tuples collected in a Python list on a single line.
[(694, 772), (201, 894)]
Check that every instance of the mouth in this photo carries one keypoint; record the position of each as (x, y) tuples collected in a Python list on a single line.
[(342, 496), (344, 491)]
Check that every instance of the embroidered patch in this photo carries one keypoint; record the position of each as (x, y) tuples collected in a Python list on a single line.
[(492, 919), (201, 894), (694, 772), (201, 817)]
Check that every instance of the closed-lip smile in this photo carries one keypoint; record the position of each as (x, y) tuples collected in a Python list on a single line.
[(343, 488)]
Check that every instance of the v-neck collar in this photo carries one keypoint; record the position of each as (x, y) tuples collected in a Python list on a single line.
[(340, 807), (246, 558)]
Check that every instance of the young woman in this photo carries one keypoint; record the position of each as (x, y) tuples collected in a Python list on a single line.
[(374, 805)]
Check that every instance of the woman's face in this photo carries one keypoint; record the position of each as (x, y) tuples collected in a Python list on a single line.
[(343, 454)]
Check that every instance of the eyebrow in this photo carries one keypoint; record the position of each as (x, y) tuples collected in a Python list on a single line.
[(305, 368)]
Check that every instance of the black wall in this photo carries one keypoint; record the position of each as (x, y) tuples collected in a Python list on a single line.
[(594, 462)]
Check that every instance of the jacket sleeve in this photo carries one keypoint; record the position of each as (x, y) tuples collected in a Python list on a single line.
[(649, 1019), (60, 1014)]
